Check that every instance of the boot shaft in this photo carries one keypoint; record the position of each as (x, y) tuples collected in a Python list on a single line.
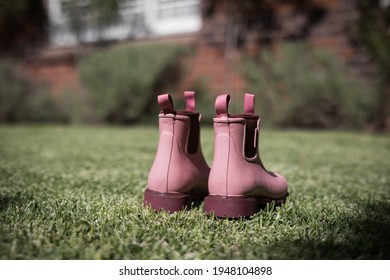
[(236, 138), (179, 164), (237, 168), (183, 125)]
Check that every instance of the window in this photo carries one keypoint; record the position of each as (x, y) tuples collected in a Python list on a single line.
[(174, 16), (137, 18), (171, 9)]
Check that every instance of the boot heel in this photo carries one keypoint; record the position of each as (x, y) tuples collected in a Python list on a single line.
[(230, 206), (170, 202)]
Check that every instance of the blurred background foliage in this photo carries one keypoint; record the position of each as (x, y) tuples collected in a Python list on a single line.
[(373, 30), (21, 21), (122, 82), (300, 86), (23, 101), (297, 85), (120, 87)]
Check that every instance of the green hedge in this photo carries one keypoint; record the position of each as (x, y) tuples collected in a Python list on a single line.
[(22, 101), (300, 86), (122, 82)]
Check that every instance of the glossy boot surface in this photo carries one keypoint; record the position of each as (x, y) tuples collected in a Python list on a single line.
[(238, 181), (179, 172)]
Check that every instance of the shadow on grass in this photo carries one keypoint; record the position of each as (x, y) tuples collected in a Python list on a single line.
[(9, 201), (365, 235)]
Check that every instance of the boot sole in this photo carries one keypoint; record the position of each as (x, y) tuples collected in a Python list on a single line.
[(237, 206), (170, 202)]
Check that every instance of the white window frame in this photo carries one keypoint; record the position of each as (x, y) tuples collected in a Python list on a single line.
[(147, 11)]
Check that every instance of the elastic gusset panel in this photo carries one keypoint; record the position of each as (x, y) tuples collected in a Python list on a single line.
[(193, 138)]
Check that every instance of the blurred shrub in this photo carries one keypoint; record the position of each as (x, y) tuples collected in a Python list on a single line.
[(123, 82), (372, 29), (20, 101), (300, 86), (75, 106)]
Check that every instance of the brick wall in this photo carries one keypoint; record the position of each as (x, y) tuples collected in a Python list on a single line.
[(56, 69), (58, 78), (211, 66)]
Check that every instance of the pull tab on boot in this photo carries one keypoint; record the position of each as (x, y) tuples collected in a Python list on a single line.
[(166, 104), (222, 105), (190, 100), (249, 103)]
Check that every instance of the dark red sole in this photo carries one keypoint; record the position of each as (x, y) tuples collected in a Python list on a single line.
[(170, 202), (237, 206)]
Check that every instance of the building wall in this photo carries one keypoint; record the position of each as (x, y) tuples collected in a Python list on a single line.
[(55, 69)]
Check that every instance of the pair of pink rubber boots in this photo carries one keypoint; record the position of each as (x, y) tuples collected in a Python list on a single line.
[(237, 183)]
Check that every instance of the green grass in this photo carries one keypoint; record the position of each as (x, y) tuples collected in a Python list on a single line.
[(77, 193)]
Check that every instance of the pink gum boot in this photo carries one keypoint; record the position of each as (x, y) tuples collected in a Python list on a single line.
[(179, 172), (238, 181)]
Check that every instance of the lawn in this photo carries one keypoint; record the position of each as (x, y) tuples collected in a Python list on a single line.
[(77, 193)]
